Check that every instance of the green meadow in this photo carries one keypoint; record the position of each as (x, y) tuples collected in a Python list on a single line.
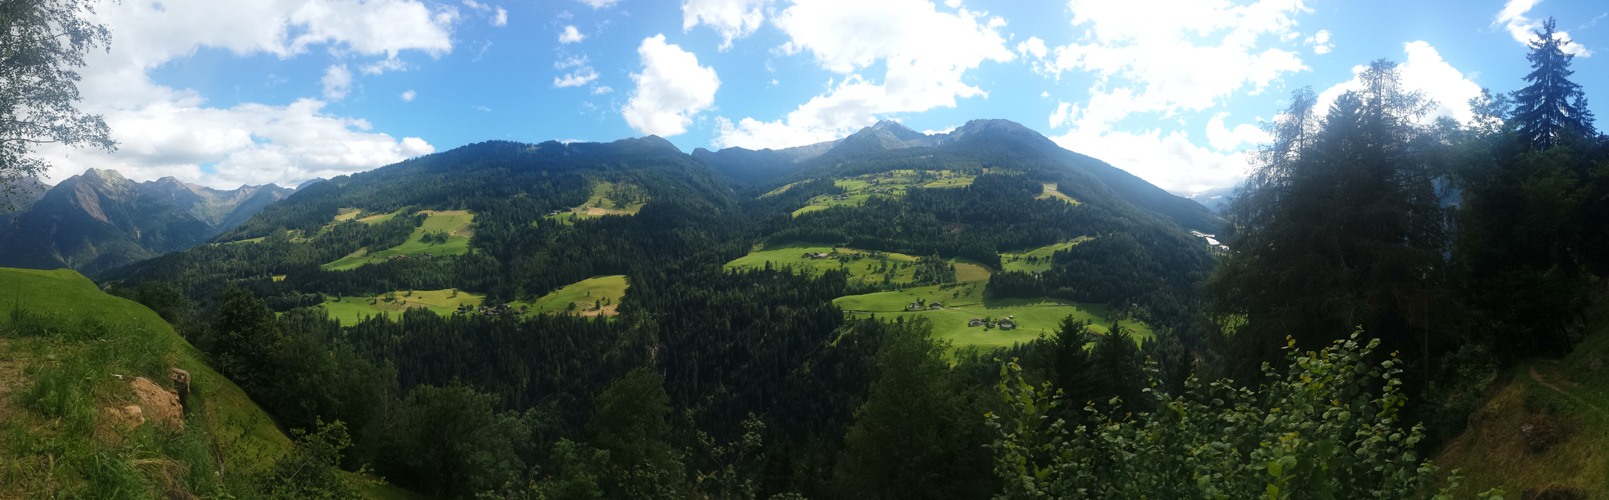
[(963, 301), (1036, 259), (1051, 192), (68, 350), (354, 309), (456, 223), (600, 204), (584, 295), (862, 266), (891, 183)]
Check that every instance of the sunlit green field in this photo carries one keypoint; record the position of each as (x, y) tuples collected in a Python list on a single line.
[(896, 267), (456, 223), (351, 310), (585, 295), (965, 301), (892, 183), (1051, 192), (600, 205), (1035, 259)]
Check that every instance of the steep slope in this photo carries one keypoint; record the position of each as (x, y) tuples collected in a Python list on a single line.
[(100, 220), (20, 199), (68, 355), (97, 221)]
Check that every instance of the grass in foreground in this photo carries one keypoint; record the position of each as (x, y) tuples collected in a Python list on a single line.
[(67, 351), (964, 301), (1568, 395)]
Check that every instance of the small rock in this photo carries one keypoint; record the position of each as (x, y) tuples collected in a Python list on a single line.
[(1596, 364), (163, 406)]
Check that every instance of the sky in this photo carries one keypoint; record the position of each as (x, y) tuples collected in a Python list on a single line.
[(225, 93)]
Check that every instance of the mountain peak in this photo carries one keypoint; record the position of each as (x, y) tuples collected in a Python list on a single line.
[(898, 130)]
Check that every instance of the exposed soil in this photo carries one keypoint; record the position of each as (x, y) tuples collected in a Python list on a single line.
[(158, 404)]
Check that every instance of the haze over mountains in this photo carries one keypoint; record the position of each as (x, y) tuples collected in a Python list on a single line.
[(99, 220)]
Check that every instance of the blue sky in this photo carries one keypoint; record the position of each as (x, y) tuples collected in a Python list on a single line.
[(230, 93)]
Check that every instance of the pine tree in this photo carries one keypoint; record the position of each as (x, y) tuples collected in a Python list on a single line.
[(1551, 101)]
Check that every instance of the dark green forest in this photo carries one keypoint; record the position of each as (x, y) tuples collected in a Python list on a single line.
[(1383, 253)]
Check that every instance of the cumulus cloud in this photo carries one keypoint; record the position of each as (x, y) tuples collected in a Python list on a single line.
[(576, 78), (249, 144), (408, 96), (1223, 138), (571, 35), (1426, 71), (1170, 161), (146, 117), (337, 82), (496, 16), (671, 89), (924, 53), (599, 4), (1513, 19), (733, 19), (601, 89), (1320, 42)]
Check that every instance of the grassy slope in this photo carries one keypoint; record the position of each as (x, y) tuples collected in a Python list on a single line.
[(351, 310), (965, 301), (454, 222), (82, 368), (1051, 192), (1492, 452), (858, 189), (1036, 259), (599, 205), (793, 256)]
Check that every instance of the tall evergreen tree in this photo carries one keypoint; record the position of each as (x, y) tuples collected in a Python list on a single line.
[(1551, 101), (1340, 225)]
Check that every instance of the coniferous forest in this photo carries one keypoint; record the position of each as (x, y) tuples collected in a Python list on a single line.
[(1380, 271)]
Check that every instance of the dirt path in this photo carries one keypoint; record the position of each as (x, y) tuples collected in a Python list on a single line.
[(1538, 378)]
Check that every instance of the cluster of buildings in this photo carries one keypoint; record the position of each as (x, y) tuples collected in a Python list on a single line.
[(489, 311), (1005, 324), (1211, 240)]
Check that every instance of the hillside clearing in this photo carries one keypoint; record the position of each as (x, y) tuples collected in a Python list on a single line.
[(456, 224), (892, 183), (607, 198), (863, 266), (1036, 259), (960, 303), (586, 293)]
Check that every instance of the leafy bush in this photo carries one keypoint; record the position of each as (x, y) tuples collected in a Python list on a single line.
[(1320, 431)]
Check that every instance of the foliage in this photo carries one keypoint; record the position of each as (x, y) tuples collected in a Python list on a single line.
[(1340, 224), (916, 435), (313, 470), (1319, 431), (1551, 102), (42, 43)]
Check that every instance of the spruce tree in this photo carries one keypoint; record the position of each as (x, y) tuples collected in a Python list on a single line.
[(1551, 101)]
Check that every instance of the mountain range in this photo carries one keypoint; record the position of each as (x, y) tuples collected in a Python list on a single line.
[(100, 220)]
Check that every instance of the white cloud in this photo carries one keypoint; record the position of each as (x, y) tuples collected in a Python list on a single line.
[(601, 89), (495, 15), (571, 35), (408, 96), (1426, 71), (570, 62), (576, 78), (1223, 138), (481, 108), (337, 82), (1320, 42), (924, 53), (733, 19), (1170, 161), (167, 131), (1513, 19), (670, 90), (385, 65), (1064, 111), (599, 4), (1033, 46), (1147, 54), (249, 144)]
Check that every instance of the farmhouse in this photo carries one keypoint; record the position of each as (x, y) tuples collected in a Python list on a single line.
[(975, 322), (913, 306), (935, 305), (1006, 324)]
